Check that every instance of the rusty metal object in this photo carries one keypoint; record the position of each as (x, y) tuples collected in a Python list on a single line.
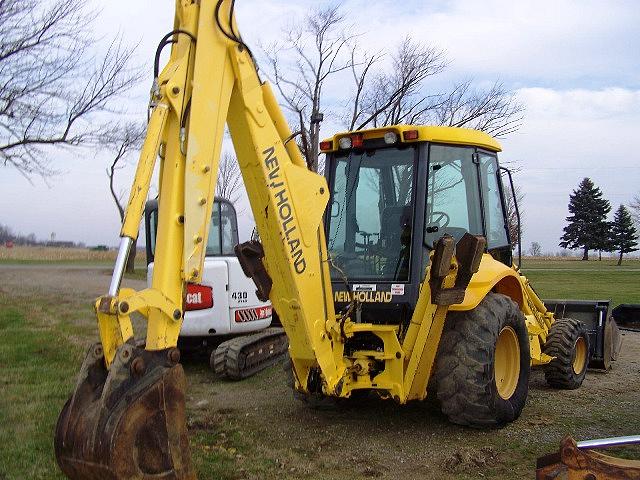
[(468, 253), (127, 422), (627, 316), (250, 255), (576, 463)]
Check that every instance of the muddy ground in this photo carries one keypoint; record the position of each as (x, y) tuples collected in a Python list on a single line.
[(255, 428)]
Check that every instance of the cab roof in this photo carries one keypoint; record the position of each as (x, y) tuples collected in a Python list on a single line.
[(420, 133)]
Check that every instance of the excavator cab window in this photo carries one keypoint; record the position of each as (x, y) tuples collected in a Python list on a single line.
[(370, 224), (464, 194), (223, 233), (223, 229), (453, 199)]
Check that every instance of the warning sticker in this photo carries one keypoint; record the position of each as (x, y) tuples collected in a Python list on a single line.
[(397, 289)]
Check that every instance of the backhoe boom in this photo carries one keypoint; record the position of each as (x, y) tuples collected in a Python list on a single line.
[(210, 79)]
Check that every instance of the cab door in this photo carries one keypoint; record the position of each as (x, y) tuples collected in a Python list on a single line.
[(496, 223)]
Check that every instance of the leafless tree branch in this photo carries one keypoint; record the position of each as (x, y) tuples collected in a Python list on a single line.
[(52, 91), (229, 185), (312, 52), (121, 140)]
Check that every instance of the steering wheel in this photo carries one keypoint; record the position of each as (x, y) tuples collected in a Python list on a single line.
[(436, 217)]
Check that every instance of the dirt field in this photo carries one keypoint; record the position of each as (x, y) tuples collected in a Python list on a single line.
[(255, 429)]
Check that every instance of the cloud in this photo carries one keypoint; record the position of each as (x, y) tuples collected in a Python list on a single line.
[(568, 135), (573, 64)]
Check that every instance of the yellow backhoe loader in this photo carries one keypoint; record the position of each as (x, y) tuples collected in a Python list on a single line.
[(404, 286)]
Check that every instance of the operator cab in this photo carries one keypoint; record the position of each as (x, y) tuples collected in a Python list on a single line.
[(223, 229), (395, 192)]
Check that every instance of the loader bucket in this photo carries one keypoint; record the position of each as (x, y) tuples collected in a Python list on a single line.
[(127, 422), (604, 336), (627, 316)]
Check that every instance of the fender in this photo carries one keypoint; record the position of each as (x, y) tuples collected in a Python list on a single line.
[(492, 276)]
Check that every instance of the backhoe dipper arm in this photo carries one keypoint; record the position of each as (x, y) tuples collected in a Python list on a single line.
[(126, 418), (211, 79)]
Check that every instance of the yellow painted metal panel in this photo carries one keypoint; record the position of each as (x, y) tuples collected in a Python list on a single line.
[(436, 134)]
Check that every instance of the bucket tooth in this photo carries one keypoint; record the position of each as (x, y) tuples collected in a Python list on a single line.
[(127, 422)]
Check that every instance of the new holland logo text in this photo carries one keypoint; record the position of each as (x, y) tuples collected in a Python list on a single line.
[(364, 297), (285, 211)]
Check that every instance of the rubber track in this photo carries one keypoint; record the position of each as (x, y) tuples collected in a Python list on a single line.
[(244, 356), (562, 337)]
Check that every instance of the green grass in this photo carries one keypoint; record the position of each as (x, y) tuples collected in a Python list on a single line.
[(38, 364), (592, 280)]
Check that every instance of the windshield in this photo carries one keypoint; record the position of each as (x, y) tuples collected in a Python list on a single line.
[(223, 231), (369, 232)]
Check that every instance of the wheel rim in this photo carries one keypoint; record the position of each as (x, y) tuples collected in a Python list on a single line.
[(579, 356), (507, 362)]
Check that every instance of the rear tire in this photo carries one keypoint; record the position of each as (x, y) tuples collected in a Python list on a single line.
[(483, 364), (568, 341)]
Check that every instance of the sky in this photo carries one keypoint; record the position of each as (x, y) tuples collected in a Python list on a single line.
[(573, 64)]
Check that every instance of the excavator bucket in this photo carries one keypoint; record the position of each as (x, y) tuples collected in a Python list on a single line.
[(627, 316), (127, 422), (605, 340)]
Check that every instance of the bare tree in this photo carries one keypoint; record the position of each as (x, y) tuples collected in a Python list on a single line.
[(51, 89), (311, 52), (495, 111), (121, 141), (322, 48), (229, 185), (634, 209), (387, 98), (536, 249), (512, 214)]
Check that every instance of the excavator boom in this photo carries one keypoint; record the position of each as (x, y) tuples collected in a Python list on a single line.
[(126, 418)]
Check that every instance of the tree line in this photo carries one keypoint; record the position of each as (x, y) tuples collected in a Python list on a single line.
[(7, 235), (589, 228)]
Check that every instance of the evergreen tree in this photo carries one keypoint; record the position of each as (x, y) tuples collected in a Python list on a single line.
[(623, 233), (588, 227)]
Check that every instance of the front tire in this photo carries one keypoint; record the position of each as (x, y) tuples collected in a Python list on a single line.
[(568, 342), (483, 364)]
